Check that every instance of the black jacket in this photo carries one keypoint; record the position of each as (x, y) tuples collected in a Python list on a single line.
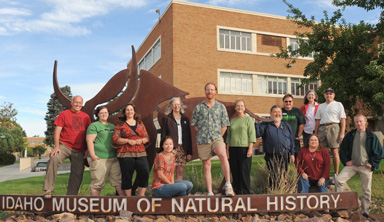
[(169, 128)]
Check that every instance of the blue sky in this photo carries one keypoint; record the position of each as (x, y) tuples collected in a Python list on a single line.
[(91, 40)]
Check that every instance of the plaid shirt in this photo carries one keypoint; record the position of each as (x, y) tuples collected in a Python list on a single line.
[(127, 150), (209, 121)]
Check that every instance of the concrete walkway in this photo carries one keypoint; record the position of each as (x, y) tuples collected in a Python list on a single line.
[(11, 172)]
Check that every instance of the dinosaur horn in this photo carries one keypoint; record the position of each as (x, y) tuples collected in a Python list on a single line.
[(59, 94), (129, 92)]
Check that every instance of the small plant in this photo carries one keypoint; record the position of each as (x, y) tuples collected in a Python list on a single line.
[(196, 176)]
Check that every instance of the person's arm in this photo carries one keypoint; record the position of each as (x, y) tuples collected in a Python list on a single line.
[(301, 129), (91, 147), (317, 126), (342, 129), (118, 140), (163, 178), (223, 129), (250, 150), (56, 139)]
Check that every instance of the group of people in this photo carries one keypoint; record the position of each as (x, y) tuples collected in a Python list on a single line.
[(116, 152)]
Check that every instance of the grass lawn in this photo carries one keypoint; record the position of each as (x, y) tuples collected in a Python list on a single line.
[(33, 185)]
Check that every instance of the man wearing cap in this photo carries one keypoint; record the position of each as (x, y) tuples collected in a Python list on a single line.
[(330, 126)]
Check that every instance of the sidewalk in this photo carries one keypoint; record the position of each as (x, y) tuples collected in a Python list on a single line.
[(11, 172)]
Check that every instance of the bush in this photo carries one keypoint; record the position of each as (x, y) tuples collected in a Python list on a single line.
[(7, 159)]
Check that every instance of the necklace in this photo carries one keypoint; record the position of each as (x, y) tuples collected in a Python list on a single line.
[(313, 157)]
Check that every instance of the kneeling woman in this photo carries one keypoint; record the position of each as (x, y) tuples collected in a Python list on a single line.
[(313, 163), (163, 183)]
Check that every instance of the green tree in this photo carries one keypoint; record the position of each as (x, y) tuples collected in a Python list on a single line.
[(54, 108), (8, 115), (342, 53), (38, 150)]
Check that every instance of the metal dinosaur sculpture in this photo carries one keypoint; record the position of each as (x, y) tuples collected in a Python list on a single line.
[(147, 92)]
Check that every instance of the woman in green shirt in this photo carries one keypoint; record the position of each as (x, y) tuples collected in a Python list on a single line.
[(240, 138), (102, 159)]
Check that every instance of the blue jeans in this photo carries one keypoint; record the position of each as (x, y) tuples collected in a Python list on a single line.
[(304, 185), (179, 188)]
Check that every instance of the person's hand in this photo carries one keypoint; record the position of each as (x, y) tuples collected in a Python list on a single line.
[(292, 158), (341, 137), (249, 153), (189, 157), (321, 182), (131, 142), (349, 163), (94, 157), (304, 176), (55, 151), (367, 165)]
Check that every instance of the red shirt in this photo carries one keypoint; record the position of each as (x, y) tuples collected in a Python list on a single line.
[(168, 168), (318, 167), (122, 130), (74, 128)]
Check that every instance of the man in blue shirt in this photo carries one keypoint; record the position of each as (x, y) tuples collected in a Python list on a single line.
[(278, 144)]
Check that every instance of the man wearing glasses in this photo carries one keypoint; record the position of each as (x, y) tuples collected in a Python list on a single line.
[(330, 126), (295, 118)]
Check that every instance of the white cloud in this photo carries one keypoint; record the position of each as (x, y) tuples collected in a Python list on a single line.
[(14, 12), (323, 4), (33, 126), (37, 112), (64, 17), (86, 90)]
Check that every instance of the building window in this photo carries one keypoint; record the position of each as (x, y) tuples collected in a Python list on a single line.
[(235, 40), (39, 142), (151, 57), (32, 142), (237, 83), (295, 90), (294, 43), (272, 85)]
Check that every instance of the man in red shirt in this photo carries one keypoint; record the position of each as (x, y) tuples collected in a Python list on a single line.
[(69, 137)]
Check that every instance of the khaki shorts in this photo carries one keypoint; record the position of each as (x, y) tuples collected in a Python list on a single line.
[(329, 136), (103, 169), (205, 150)]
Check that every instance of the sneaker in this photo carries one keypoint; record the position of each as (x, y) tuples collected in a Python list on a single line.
[(210, 194), (229, 191)]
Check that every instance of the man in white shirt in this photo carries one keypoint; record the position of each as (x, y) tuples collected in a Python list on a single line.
[(330, 126)]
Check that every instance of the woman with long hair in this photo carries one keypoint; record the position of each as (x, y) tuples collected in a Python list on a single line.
[(309, 110), (129, 138)]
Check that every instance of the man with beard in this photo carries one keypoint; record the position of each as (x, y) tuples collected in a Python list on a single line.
[(278, 145), (210, 121)]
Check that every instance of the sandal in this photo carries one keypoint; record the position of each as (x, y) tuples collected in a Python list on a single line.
[(48, 194)]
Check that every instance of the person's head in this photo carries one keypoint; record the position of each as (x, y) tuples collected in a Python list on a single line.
[(175, 105), (77, 104), (276, 113), (314, 142), (361, 122), (329, 95), (240, 106), (129, 111), (166, 144), (102, 113), (288, 101), (310, 96), (210, 90)]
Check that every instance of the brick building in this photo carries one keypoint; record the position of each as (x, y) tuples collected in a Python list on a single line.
[(192, 44), (37, 141)]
